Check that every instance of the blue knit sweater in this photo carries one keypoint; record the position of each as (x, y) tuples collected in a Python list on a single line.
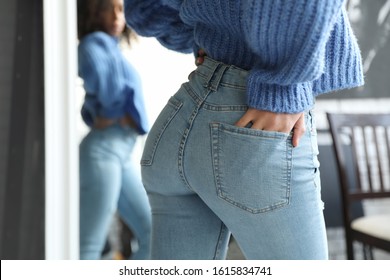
[(294, 50), (113, 87)]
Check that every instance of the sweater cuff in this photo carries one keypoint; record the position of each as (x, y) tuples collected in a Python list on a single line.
[(290, 99)]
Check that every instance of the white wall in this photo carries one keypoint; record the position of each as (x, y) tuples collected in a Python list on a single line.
[(61, 146)]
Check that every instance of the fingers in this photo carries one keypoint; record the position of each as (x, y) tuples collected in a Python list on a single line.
[(269, 121), (101, 123), (246, 120), (298, 131), (200, 57), (199, 60)]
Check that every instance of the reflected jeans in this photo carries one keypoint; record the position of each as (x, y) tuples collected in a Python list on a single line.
[(207, 179), (110, 182)]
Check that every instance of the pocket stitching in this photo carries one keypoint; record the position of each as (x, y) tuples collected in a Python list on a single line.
[(216, 128)]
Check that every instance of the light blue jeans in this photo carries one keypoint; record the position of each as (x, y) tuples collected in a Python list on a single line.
[(110, 181), (207, 179)]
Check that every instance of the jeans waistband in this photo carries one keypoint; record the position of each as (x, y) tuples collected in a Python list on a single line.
[(216, 73)]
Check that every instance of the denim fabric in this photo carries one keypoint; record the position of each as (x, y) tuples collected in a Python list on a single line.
[(207, 178), (110, 181)]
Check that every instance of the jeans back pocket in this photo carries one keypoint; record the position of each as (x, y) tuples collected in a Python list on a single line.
[(252, 168)]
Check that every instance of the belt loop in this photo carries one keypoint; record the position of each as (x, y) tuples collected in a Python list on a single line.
[(212, 72), (221, 71)]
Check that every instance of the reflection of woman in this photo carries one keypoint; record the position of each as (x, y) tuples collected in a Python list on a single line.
[(114, 110), (235, 149)]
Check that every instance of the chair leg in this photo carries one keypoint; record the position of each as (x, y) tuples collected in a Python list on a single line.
[(371, 253), (350, 252), (367, 252)]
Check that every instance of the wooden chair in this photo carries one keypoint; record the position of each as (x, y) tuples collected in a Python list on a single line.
[(362, 148)]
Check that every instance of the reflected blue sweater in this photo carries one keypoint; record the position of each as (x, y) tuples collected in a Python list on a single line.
[(113, 87), (294, 49)]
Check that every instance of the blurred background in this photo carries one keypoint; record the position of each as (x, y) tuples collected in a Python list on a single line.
[(40, 123)]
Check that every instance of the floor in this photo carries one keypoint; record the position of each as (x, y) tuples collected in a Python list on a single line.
[(335, 241), (336, 248)]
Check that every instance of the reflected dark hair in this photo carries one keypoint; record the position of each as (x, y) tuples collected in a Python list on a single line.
[(88, 15)]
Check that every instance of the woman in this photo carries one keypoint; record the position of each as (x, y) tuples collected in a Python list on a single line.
[(235, 149), (114, 110)]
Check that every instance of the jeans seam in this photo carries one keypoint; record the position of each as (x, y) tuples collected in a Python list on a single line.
[(219, 243), (181, 159), (184, 141), (176, 107), (192, 94)]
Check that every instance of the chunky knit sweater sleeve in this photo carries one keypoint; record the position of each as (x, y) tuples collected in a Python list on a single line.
[(290, 39), (151, 18), (101, 68)]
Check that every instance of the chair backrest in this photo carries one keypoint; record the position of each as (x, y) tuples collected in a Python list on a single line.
[(362, 148)]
